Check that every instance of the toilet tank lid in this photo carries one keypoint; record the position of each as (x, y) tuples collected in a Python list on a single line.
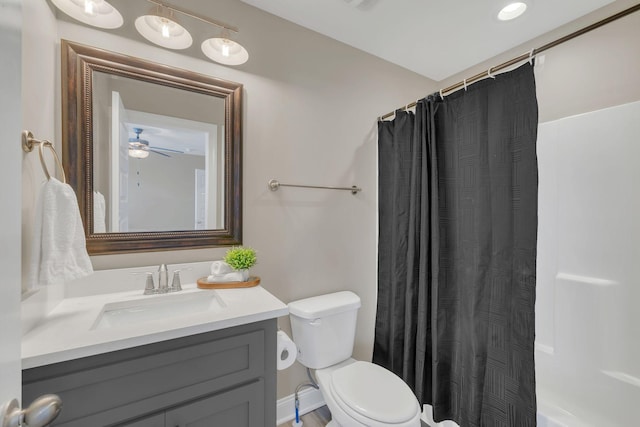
[(324, 305)]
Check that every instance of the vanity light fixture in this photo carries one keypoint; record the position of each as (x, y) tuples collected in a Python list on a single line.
[(98, 13), (512, 11), (162, 29)]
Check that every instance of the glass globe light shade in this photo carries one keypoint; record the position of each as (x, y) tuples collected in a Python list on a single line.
[(163, 32), (97, 13), (224, 51)]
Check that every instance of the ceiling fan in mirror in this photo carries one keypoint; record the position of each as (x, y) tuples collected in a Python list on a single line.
[(140, 148)]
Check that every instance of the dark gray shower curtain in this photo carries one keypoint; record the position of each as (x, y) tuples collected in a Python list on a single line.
[(457, 251)]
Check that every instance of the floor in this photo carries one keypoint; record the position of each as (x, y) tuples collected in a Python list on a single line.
[(318, 418)]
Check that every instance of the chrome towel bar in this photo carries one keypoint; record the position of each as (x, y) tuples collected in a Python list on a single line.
[(274, 184)]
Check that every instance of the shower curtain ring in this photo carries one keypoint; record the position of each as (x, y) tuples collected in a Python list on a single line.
[(490, 74), (531, 57), (441, 97), (464, 82)]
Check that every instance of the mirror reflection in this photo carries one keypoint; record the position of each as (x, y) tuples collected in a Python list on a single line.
[(153, 152), (158, 157)]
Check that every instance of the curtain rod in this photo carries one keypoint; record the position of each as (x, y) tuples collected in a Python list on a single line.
[(491, 71)]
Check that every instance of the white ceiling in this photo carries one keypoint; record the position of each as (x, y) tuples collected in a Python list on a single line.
[(434, 38), (184, 141), (172, 133)]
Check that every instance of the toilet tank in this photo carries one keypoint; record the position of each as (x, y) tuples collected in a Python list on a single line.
[(324, 328)]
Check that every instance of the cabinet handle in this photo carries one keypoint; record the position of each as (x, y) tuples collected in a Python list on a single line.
[(40, 413)]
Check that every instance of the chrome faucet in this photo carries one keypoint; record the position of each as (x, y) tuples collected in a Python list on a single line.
[(163, 282), (163, 279)]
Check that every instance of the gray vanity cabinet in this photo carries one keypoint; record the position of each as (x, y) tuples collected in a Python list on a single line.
[(152, 421), (240, 407), (223, 378)]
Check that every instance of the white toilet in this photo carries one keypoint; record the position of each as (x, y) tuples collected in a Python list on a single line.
[(358, 394)]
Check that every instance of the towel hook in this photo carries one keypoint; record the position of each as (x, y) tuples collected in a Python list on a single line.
[(28, 141)]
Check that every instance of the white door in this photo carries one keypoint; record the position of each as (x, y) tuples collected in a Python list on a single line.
[(42, 411), (119, 188), (10, 194), (200, 196)]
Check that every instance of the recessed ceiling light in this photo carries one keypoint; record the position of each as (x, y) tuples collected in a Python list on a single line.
[(512, 11)]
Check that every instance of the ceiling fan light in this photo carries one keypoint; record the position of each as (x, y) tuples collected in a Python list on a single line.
[(512, 11), (97, 13), (163, 32), (138, 153), (225, 51)]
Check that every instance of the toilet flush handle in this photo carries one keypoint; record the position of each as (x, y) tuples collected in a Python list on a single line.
[(315, 322)]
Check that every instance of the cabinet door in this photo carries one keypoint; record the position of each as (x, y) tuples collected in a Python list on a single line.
[(152, 421), (239, 407)]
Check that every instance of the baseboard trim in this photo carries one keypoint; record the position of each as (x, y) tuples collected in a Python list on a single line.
[(310, 400)]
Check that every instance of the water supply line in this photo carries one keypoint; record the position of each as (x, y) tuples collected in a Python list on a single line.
[(313, 384)]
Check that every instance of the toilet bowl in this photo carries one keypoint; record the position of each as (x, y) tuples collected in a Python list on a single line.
[(357, 393), (361, 394)]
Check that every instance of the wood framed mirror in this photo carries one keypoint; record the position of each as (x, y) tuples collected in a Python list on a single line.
[(153, 152)]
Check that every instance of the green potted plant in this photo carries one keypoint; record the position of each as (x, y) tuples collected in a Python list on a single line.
[(241, 259)]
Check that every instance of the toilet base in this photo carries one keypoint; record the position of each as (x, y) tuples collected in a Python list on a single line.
[(333, 423)]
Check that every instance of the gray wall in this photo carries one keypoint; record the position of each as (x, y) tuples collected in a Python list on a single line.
[(310, 105), (309, 118), (41, 115), (594, 71), (162, 192)]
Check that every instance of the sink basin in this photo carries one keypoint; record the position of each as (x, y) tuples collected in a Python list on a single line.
[(157, 307)]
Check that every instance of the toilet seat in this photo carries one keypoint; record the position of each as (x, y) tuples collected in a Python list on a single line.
[(373, 395)]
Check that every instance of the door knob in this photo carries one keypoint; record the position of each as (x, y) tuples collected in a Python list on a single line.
[(40, 413)]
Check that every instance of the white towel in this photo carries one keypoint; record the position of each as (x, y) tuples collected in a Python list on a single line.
[(222, 272), (99, 213), (59, 247), (234, 276), (219, 268)]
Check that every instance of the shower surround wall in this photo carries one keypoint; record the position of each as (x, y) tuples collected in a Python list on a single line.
[(588, 270)]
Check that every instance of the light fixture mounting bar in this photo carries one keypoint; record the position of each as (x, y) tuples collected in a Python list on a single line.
[(195, 16)]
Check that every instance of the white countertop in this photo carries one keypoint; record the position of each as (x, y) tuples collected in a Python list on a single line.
[(66, 333)]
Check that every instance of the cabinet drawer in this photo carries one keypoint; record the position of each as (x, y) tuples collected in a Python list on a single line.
[(240, 407), (115, 387), (153, 421)]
